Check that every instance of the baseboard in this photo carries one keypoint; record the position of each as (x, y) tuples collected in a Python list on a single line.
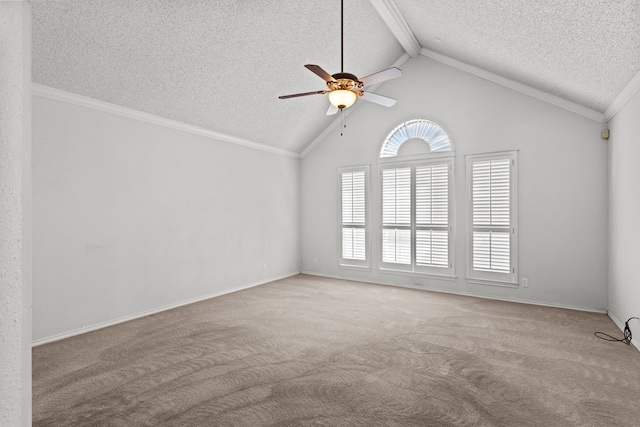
[(101, 325), (469, 294), (620, 325)]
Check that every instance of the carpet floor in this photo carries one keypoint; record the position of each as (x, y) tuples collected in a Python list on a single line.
[(310, 351)]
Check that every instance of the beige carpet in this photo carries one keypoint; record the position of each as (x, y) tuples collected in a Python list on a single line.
[(309, 351)]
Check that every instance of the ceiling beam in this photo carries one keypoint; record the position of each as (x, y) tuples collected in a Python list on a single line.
[(390, 14)]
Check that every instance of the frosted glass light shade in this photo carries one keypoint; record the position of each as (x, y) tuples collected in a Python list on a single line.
[(342, 98)]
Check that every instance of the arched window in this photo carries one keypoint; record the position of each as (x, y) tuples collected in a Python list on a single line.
[(426, 130), (416, 180)]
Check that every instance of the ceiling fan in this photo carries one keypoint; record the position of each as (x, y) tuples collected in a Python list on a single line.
[(345, 88)]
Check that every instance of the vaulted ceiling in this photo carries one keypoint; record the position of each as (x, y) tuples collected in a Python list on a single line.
[(221, 65)]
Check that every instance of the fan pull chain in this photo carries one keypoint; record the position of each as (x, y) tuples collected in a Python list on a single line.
[(343, 121)]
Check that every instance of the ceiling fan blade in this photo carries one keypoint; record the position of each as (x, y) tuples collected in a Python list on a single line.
[(332, 110), (320, 72), (378, 99), (295, 95), (381, 76)]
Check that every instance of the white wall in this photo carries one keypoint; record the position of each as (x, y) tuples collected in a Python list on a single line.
[(624, 215), (15, 260), (562, 183), (131, 217)]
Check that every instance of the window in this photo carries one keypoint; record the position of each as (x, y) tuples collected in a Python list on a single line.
[(353, 216), (431, 133), (416, 182), (396, 215), (416, 217), (493, 237)]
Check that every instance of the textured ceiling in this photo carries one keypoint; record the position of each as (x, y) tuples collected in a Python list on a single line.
[(217, 64), (585, 51), (221, 65)]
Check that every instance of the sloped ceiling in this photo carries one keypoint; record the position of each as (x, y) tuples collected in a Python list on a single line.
[(584, 51), (220, 65)]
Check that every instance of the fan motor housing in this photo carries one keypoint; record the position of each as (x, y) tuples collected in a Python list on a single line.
[(344, 81)]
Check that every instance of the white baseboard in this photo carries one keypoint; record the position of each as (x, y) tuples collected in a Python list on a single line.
[(469, 294), (101, 325), (635, 341)]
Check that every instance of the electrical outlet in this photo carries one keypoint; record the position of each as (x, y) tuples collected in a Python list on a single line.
[(525, 282), (315, 260), (264, 267)]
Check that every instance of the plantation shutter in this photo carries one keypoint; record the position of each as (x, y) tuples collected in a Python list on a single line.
[(491, 215), (354, 242), (432, 215), (396, 215)]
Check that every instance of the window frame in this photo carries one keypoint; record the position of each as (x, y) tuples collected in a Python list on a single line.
[(348, 262), (506, 279), (413, 162)]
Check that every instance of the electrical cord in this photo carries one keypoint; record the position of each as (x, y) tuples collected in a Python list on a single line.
[(627, 334)]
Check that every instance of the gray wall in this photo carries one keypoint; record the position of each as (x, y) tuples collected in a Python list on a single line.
[(133, 217), (15, 210), (562, 183), (624, 212)]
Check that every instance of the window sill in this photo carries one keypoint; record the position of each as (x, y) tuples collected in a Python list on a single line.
[(355, 267), (414, 274), (491, 282)]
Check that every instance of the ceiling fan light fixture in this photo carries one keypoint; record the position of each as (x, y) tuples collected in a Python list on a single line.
[(342, 98), (345, 88)]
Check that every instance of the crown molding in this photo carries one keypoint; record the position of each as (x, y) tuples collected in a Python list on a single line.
[(309, 148), (487, 75), (519, 87), (623, 97), (390, 14), (83, 101)]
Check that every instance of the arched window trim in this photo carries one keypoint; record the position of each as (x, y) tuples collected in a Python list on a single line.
[(429, 131)]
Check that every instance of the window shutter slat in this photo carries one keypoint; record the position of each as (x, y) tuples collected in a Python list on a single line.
[(491, 215), (432, 247), (428, 226), (396, 210), (432, 195), (353, 243), (396, 246), (432, 210), (347, 193), (396, 196), (353, 187), (347, 242)]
